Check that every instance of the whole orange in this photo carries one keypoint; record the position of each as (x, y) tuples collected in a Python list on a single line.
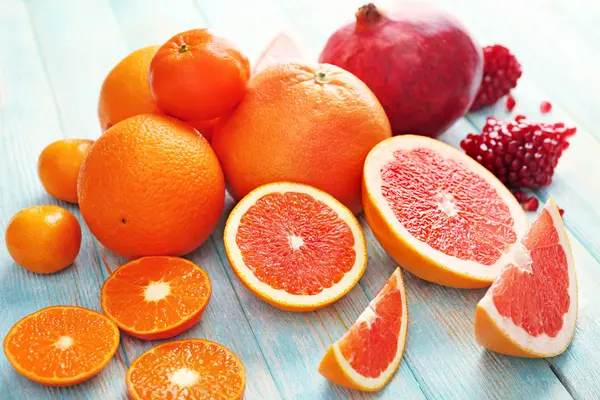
[(151, 186), (198, 76), (43, 239), (58, 167), (125, 91), (311, 124)]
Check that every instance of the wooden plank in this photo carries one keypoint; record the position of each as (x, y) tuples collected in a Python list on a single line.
[(291, 343), (30, 121), (54, 25)]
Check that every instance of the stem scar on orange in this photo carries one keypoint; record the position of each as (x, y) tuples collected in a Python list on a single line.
[(196, 75), (156, 297), (194, 369), (61, 345)]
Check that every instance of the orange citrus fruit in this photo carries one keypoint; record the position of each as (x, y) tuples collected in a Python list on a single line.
[(295, 246), (151, 186), (125, 91), (192, 369), (531, 309), (439, 213), (43, 239), (58, 167), (370, 352), (156, 297), (198, 76), (311, 124), (62, 345)]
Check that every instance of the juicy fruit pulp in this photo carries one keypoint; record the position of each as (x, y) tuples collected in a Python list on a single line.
[(531, 308), (421, 63), (311, 124), (439, 213), (61, 346), (193, 368), (369, 353), (295, 246), (156, 297)]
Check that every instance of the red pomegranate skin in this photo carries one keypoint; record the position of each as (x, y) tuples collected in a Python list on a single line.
[(421, 63)]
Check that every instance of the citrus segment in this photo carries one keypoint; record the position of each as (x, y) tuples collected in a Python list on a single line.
[(191, 369), (156, 297), (369, 353), (295, 246), (531, 308), (438, 212), (61, 346)]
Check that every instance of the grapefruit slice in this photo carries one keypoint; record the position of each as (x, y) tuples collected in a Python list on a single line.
[(370, 352), (439, 213), (61, 345), (187, 369), (531, 309), (295, 246), (156, 297)]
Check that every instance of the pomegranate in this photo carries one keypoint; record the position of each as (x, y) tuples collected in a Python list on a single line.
[(421, 63)]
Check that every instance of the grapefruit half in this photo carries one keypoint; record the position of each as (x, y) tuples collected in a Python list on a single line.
[(370, 352), (295, 246), (531, 309), (439, 213)]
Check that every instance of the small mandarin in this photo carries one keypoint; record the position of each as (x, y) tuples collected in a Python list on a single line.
[(58, 167), (198, 76), (43, 239)]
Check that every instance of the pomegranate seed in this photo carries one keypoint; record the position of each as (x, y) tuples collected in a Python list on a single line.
[(521, 153), (531, 204), (561, 211), (545, 107), (510, 102)]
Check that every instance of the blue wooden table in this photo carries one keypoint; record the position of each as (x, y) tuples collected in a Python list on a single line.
[(54, 55)]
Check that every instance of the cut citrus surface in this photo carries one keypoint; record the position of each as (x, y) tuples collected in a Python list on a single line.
[(369, 353), (531, 309), (62, 345), (156, 297), (187, 369), (294, 246), (439, 213)]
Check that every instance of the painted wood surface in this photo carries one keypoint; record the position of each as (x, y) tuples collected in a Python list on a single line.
[(53, 58)]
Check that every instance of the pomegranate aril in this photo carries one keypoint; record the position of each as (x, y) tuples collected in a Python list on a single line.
[(521, 153), (545, 107), (561, 211), (531, 204), (510, 102)]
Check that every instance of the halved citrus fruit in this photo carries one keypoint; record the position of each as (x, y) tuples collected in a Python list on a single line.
[(156, 297), (61, 345), (295, 246), (370, 352), (187, 369), (439, 213), (531, 309)]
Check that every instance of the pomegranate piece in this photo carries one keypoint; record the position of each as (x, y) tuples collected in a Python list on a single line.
[(501, 72), (510, 102), (521, 153), (545, 107), (531, 204), (421, 63)]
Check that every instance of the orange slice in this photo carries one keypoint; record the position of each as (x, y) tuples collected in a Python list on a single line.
[(370, 352), (187, 369), (156, 297), (294, 246), (439, 213), (531, 309), (61, 346)]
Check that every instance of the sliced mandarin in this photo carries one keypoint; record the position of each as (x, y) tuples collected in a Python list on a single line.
[(156, 297)]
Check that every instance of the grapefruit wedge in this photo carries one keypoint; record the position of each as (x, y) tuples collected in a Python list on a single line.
[(531, 309), (439, 213), (370, 352), (294, 246)]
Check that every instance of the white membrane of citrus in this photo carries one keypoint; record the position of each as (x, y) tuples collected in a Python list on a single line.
[(542, 344), (156, 291), (64, 342), (184, 377), (278, 295), (383, 153), (368, 314)]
